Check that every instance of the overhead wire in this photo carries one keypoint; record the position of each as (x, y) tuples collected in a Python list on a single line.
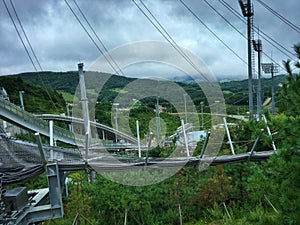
[(38, 66), (167, 36), (242, 18), (227, 21), (21, 39), (212, 32), (25, 35), (282, 18), (91, 38), (265, 36), (98, 38)]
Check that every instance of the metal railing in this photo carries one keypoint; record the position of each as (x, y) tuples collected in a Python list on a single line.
[(28, 117)]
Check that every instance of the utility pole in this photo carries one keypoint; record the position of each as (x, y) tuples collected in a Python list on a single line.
[(247, 12), (257, 45)]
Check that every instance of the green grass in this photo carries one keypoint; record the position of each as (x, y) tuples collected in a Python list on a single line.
[(68, 97)]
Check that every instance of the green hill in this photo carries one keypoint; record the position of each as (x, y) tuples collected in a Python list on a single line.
[(235, 92), (37, 99)]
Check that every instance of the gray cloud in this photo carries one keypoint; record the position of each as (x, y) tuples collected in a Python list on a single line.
[(60, 42)]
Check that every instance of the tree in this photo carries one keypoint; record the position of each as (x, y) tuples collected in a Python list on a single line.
[(290, 95), (280, 179)]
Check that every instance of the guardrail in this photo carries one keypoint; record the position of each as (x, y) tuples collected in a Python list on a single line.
[(26, 116)]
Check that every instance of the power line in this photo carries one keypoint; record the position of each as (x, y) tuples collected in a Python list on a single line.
[(211, 31), (25, 47), (33, 52), (213, 8), (89, 35), (283, 19), (98, 38), (26, 35), (227, 21), (28, 54), (168, 37), (265, 36)]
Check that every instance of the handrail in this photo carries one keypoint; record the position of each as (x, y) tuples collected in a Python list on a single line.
[(33, 119)]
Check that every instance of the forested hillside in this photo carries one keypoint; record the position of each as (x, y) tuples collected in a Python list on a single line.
[(235, 92), (37, 99)]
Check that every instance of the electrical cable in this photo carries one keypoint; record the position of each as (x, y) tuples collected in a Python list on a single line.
[(212, 32), (227, 21), (25, 35), (29, 56), (98, 38), (213, 8), (282, 18), (31, 48), (89, 35), (264, 35), (168, 37)]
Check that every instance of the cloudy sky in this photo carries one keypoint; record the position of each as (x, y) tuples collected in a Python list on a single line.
[(60, 42)]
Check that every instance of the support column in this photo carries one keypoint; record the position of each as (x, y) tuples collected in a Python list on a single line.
[(138, 138), (85, 108), (185, 139), (51, 138), (228, 136)]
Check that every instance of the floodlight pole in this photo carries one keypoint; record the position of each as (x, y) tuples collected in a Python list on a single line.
[(271, 68), (258, 48), (247, 12), (273, 91)]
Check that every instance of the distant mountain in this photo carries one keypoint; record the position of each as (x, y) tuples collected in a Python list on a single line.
[(235, 92)]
